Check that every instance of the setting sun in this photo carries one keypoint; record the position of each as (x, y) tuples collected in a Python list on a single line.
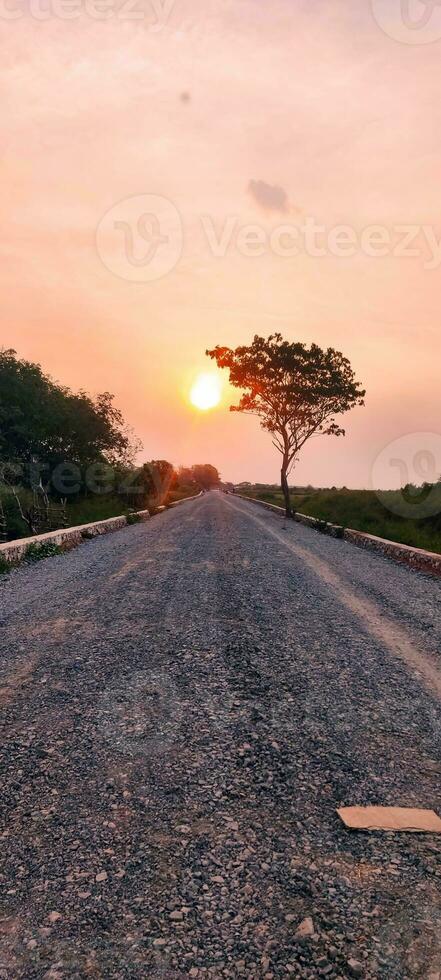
[(206, 392)]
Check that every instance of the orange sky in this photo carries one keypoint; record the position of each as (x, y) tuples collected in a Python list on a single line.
[(312, 99)]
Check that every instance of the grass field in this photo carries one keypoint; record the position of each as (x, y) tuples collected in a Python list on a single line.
[(362, 510)]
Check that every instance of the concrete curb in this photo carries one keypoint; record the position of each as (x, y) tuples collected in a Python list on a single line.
[(66, 538), (416, 558), (71, 537), (176, 503)]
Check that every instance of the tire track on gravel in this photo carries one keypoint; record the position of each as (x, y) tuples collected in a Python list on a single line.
[(394, 637)]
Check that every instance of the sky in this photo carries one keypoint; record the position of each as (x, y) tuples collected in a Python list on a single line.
[(163, 166)]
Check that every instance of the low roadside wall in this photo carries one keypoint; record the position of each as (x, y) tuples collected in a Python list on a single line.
[(70, 537), (416, 558), (183, 500), (66, 538), (334, 530)]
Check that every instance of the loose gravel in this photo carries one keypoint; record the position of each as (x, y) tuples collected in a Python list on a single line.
[(184, 705)]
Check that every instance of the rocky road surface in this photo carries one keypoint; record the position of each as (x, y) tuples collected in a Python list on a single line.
[(184, 704)]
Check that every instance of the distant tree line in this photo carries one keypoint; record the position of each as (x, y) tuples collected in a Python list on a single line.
[(58, 447)]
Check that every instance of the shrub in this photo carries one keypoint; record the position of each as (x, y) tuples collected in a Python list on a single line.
[(322, 526), (4, 566), (36, 552), (133, 519)]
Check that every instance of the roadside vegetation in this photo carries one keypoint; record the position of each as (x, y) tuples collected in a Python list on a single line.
[(364, 510), (67, 458)]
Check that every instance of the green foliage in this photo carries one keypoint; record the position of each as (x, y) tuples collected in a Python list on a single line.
[(85, 510), (201, 476), (44, 425), (133, 519), (5, 566), (16, 527), (362, 510), (322, 526), (205, 476), (181, 493), (36, 552), (148, 485)]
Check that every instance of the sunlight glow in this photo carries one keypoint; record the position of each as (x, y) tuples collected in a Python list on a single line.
[(206, 392)]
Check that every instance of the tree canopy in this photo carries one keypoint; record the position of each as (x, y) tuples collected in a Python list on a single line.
[(44, 423), (295, 390), (205, 475), (202, 475)]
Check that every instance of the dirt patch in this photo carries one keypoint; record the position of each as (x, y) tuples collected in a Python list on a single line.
[(17, 683)]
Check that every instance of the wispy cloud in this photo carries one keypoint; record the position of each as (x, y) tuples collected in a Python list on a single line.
[(269, 196)]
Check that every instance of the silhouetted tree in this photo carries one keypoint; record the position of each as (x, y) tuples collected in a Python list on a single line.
[(205, 476), (295, 390), (43, 424)]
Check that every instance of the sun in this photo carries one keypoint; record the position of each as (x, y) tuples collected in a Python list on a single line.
[(206, 392)]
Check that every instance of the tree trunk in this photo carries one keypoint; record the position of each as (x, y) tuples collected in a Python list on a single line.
[(285, 488)]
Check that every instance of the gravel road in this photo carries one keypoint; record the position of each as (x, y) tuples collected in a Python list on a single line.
[(183, 706)]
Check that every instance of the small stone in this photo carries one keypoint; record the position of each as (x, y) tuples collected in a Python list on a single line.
[(54, 916), (101, 876), (32, 943), (160, 942), (355, 968), (306, 928), (176, 916)]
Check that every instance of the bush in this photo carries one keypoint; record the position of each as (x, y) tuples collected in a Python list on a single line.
[(36, 552), (321, 526), (4, 566), (133, 519)]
